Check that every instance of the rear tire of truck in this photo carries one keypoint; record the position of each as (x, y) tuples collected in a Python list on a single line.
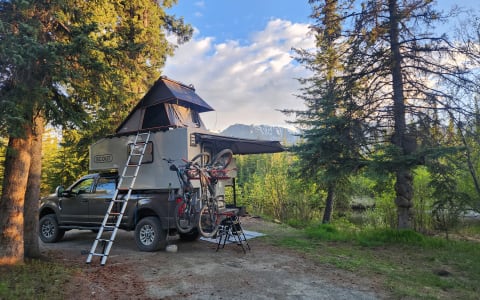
[(49, 230), (191, 236), (149, 235)]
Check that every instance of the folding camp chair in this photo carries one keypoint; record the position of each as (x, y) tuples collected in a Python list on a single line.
[(230, 230)]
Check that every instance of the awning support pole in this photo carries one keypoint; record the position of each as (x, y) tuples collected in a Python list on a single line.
[(234, 192)]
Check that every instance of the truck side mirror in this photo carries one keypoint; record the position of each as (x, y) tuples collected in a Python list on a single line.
[(59, 191)]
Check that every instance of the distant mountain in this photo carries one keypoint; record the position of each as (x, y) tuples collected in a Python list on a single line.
[(261, 132)]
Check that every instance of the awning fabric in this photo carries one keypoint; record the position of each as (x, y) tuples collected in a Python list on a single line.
[(241, 146)]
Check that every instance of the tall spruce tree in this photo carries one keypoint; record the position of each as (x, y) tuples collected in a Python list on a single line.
[(414, 76), (331, 125), (394, 81), (69, 62)]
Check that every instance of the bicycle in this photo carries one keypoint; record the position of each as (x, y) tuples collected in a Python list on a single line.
[(186, 209), (209, 221)]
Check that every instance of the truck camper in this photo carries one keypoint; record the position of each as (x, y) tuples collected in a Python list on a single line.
[(170, 114)]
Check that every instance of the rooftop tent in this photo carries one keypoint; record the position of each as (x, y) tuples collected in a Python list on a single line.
[(167, 104)]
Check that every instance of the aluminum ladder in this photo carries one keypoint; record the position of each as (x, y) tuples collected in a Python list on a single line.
[(111, 222)]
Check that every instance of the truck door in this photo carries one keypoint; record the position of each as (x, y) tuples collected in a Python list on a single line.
[(100, 199), (74, 202)]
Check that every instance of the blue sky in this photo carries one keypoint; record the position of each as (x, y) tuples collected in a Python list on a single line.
[(240, 59), (238, 19)]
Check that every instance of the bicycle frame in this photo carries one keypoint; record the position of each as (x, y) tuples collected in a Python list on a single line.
[(186, 210)]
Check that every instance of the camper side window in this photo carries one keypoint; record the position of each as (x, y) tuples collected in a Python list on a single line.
[(147, 156)]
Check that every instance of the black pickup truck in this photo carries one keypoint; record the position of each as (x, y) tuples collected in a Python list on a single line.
[(83, 205)]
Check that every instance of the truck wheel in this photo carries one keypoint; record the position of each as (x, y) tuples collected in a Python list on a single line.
[(48, 229), (190, 236), (149, 235)]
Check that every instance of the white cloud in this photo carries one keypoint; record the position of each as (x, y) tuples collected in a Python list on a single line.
[(200, 3), (245, 83)]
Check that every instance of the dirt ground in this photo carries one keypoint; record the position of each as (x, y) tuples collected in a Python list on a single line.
[(197, 271)]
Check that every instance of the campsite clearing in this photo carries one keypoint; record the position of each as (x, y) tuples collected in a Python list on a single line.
[(197, 271)]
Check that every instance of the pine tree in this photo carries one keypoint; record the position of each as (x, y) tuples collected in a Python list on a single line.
[(411, 74), (331, 124), (394, 82)]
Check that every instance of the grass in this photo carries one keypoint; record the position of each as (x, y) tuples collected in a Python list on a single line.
[(409, 264), (35, 279)]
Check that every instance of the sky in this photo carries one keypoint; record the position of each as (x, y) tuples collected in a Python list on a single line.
[(240, 59)]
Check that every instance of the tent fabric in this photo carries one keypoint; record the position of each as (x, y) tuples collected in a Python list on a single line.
[(182, 116), (171, 91), (241, 146)]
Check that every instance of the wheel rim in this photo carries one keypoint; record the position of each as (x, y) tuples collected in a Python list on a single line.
[(48, 229), (147, 235), (208, 225)]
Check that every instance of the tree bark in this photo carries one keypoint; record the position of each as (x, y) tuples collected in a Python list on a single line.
[(17, 165), (327, 214), (404, 177), (32, 194)]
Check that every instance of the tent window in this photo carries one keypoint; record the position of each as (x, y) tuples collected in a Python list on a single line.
[(155, 116), (183, 116)]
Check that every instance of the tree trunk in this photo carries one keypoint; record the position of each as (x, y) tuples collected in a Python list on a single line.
[(404, 183), (32, 194), (17, 165), (403, 200), (327, 214)]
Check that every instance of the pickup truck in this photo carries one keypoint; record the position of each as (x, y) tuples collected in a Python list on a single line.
[(83, 205)]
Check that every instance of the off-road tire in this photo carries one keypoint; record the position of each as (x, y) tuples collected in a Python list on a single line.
[(149, 235), (49, 230)]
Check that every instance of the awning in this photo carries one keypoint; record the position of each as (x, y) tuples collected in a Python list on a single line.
[(241, 146)]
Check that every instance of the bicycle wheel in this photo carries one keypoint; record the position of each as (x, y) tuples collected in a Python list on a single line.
[(185, 216), (222, 159), (208, 220), (201, 159)]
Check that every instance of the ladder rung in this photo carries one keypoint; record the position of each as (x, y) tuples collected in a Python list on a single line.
[(98, 254), (105, 240), (119, 200)]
